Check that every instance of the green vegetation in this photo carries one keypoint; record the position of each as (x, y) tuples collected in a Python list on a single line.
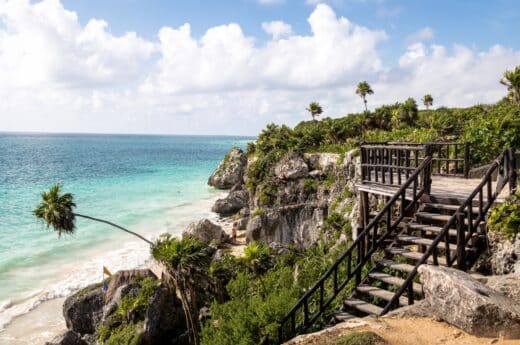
[(187, 261), (315, 109), (124, 325), (511, 79), (360, 338), (505, 218), (427, 101), (259, 298), (364, 89)]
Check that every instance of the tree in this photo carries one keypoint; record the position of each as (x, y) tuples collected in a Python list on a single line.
[(511, 79), (187, 261), (408, 112), (364, 89), (56, 210), (427, 101), (315, 109)]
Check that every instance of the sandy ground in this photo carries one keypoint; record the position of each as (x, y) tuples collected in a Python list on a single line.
[(401, 331)]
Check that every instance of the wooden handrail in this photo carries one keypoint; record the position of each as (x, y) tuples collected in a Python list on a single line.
[(357, 255), (505, 162)]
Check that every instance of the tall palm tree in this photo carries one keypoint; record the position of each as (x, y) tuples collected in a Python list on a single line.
[(56, 210), (511, 79), (187, 261), (364, 89), (315, 109), (408, 111), (427, 101)]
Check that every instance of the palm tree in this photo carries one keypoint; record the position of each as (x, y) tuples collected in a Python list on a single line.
[(408, 111), (511, 79), (427, 101), (56, 210), (315, 109), (187, 261), (364, 89)]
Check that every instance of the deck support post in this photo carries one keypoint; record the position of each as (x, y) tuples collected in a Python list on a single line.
[(461, 243)]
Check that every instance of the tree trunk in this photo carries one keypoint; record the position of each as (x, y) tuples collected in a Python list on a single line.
[(365, 101), (114, 225)]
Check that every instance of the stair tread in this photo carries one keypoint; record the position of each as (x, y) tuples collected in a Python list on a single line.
[(416, 256), (380, 293), (443, 206), (431, 228), (363, 306), (393, 280), (343, 316), (407, 268), (433, 216)]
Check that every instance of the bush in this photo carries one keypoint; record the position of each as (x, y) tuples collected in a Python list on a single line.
[(505, 218), (361, 338)]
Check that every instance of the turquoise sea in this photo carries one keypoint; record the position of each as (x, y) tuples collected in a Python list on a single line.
[(151, 184)]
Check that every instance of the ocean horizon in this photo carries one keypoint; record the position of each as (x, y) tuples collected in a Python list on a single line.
[(149, 183)]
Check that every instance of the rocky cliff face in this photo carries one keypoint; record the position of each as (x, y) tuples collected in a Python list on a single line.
[(291, 205), (230, 171)]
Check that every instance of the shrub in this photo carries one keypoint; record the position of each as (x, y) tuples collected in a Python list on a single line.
[(361, 338), (505, 218)]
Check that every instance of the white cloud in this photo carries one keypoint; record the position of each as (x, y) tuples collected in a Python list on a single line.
[(59, 75), (425, 34), (277, 29)]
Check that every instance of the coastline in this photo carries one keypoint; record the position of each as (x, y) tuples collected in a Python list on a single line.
[(43, 318)]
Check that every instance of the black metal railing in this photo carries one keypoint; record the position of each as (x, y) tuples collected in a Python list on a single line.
[(390, 163), (465, 220), (348, 268)]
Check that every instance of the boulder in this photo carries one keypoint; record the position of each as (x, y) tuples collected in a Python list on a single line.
[(126, 277), (322, 161), (83, 310), (503, 256), (234, 202), (291, 167), (241, 223), (507, 284), (457, 298), (164, 322), (206, 231), (230, 171), (67, 338)]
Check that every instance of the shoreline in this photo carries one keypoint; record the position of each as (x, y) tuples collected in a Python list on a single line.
[(43, 320)]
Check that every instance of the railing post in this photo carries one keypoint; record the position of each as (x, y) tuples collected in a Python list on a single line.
[(461, 243), (466, 160), (427, 172)]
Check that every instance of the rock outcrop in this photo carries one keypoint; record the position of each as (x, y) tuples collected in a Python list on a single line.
[(83, 311), (67, 338), (462, 301), (230, 171), (507, 284), (206, 231), (291, 167), (503, 256), (231, 204)]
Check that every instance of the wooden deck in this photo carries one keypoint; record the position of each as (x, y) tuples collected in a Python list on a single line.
[(455, 189)]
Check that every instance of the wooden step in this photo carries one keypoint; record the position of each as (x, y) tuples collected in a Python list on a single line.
[(424, 241), (392, 280), (448, 207), (433, 216), (380, 293), (430, 228), (362, 306), (416, 256), (343, 316), (402, 267)]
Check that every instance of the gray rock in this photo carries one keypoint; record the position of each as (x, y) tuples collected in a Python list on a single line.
[(326, 162), (503, 256), (164, 322), (125, 277), (462, 301), (206, 231), (67, 338), (234, 202), (508, 284), (291, 167), (83, 311), (230, 171), (241, 224)]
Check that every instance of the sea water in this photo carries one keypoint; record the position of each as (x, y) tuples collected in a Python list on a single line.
[(150, 184)]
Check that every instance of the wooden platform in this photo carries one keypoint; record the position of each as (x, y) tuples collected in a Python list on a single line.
[(455, 189)]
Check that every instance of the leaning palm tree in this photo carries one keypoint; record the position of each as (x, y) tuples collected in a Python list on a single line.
[(186, 260), (427, 101), (511, 79), (315, 109), (56, 210), (364, 89)]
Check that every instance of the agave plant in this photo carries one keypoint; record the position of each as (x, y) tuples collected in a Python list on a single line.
[(56, 210)]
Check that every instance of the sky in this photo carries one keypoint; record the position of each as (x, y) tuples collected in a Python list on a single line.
[(230, 67)]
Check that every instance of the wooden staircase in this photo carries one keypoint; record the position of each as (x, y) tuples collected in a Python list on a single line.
[(413, 228)]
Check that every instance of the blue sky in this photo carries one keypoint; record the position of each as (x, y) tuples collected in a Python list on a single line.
[(231, 67)]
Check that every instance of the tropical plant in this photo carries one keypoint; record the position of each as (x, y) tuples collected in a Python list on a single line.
[(57, 210), (257, 256), (505, 217), (427, 101), (364, 89), (187, 261), (315, 109), (511, 79), (408, 112)]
